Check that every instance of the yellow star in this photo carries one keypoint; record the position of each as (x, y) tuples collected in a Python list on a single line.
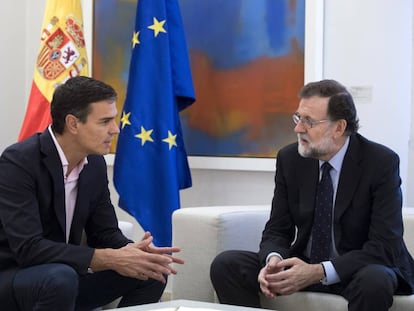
[(157, 26), (144, 136), (170, 140), (135, 39), (125, 119)]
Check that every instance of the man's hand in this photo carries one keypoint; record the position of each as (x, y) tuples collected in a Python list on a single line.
[(141, 260), (147, 246), (264, 275), (285, 277)]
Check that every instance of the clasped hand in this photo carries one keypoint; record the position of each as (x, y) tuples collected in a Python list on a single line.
[(285, 277), (143, 260)]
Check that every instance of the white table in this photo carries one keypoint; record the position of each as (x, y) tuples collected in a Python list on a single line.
[(186, 305)]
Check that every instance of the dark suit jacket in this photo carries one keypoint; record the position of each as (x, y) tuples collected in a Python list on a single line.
[(32, 212), (368, 227)]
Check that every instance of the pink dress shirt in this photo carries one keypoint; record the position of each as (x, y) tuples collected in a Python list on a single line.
[(71, 183)]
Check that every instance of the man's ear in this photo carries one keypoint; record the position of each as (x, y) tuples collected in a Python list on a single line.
[(71, 123), (340, 127)]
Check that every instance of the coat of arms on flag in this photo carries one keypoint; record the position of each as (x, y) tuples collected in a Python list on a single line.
[(62, 55), (60, 50)]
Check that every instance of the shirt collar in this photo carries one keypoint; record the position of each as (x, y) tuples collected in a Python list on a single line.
[(338, 158), (62, 156)]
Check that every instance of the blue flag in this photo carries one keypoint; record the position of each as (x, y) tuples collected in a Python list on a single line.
[(151, 162)]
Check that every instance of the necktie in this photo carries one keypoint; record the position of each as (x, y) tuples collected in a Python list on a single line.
[(322, 223)]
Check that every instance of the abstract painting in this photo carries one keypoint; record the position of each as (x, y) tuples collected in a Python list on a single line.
[(247, 61)]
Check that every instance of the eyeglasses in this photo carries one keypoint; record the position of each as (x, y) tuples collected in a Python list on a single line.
[(306, 121)]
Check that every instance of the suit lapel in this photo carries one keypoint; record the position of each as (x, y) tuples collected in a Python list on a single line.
[(53, 164), (348, 180), (308, 175), (80, 212)]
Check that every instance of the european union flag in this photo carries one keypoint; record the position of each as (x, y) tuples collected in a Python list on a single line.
[(151, 162)]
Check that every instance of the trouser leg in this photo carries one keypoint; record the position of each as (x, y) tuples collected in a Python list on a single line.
[(149, 291), (371, 288), (100, 288), (234, 277), (59, 287), (46, 287)]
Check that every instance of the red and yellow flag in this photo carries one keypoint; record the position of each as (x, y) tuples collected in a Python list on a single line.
[(62, 55)]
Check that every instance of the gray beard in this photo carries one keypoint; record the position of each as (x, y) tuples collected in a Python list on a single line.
[(316, 152)]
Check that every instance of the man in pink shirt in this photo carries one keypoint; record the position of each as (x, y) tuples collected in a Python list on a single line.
[(54, 187)]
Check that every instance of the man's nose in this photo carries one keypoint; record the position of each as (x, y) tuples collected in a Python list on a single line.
[(299, 128), (114, 127)]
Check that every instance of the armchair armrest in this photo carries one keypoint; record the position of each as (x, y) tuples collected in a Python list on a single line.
[(202, 233), (127, 229)]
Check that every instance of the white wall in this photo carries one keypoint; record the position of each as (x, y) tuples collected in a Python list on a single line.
[(13, 65), (367, 43)]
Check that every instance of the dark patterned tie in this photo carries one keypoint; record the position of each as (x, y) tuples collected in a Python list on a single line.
[(322, 222)]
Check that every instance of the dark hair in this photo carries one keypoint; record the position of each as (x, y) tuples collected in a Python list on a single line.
[(75, 97), (340, 104)]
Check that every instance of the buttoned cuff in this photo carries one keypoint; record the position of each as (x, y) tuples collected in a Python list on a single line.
[(272, 254), (331, 276)]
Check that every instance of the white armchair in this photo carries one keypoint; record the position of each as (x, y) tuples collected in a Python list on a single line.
[(127, 229), (203, 232)]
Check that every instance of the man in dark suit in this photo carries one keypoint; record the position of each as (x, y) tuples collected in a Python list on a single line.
[(54, 187), (363, 257)]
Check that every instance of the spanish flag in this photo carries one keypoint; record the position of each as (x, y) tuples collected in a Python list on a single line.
[(62, 55)]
